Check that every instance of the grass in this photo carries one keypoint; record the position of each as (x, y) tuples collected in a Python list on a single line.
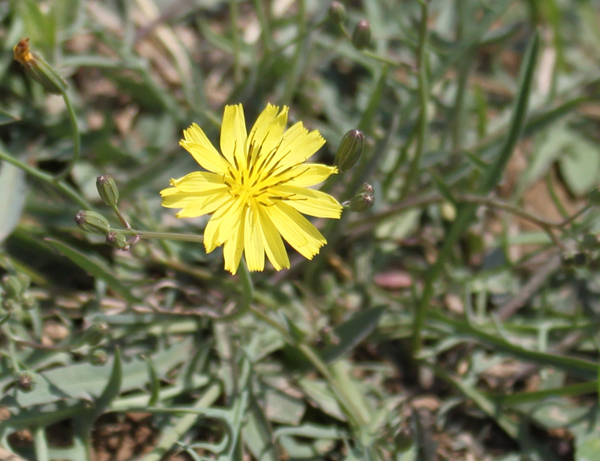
[(455, 319)]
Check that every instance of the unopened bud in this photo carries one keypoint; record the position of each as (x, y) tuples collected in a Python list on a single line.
[(13, 288), (24, 279), (107, 188), (38, 69), (404, 440), (350, 150), (28, 301), (95, 334), (366, 189), (337, 13), (98, 357), (117, 240), (361, 37), (360, 202), (26, 381), (10, 304), (90, 221)]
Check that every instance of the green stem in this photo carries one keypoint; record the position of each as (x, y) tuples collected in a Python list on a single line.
[(386, 60), (292, 82), (237, 67), (554, 196), (575, 216), (247, 294), (264, 24), (76, 139), (313, 357), (491, 177), (45, 177), (41, 444), (422, 64), (162, 235)]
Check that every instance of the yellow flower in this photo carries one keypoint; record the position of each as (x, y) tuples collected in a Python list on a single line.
[(256, 189)]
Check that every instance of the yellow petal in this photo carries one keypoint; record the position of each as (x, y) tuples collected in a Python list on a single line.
[(297, 146), (216, 233), (254, 249), (310, 174), (310, 202), (207, 159), (199, 181), (267, 137), (274, 246), (203, 205), (197, 144), (233, 248), (233, 135), (261, 126), (296, 229), (174, 198)]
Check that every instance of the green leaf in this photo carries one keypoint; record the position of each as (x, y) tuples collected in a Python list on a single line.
[(113, 386), (580, 165), (13, 190), (95, 266), (352, 332), (496, 168), (589, 450), (154, 383), (6, 117)]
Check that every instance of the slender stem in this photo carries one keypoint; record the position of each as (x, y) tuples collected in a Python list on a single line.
[(38, 174), (351, 412), (553, 195), (162, 235), (235, 31), (263, 20), (386, 60), (247, 294), (291, 84), (41, 444), (121, 217), (76, 139), (423, 101), (575, 216)]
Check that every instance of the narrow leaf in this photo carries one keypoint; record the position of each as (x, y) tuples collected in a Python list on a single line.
[(94, 266), (13, 190), (352, 332)]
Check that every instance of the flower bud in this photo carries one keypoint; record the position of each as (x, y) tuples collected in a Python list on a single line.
[(26, 381), (117, 240), (107, 188), (12, 286), (337, 13), (95, 334), (361, 37), (10, 304), (98, 357), (38, 69), (404, 440), (360, 202), (90, 221), (350, 150), (28, 301), (24, 279), (366, 189)]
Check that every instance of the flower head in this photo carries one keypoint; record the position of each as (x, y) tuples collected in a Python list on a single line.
[(256, 189)]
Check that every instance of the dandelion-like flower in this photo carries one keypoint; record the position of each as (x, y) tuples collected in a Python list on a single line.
[(256, 189)]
